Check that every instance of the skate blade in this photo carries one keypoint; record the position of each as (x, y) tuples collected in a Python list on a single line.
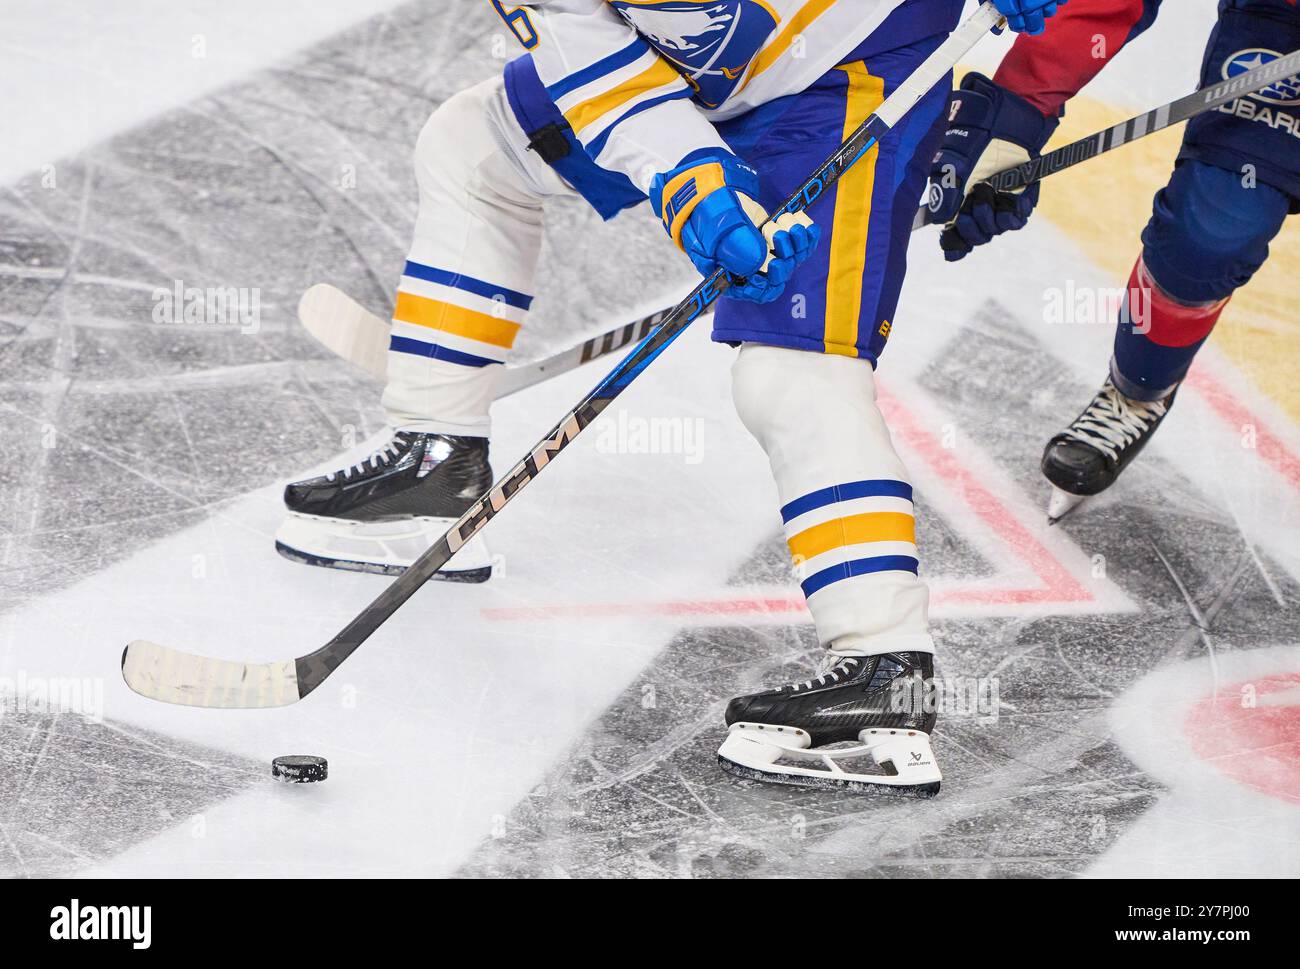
[(1061, 504), (379, 568), (749, 752), (878, 787), (376, 548)]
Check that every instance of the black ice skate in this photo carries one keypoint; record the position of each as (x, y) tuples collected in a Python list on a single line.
[(379, 515), (1087, 457), (878, 708)]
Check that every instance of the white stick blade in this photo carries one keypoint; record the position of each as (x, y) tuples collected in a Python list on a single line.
[(346, 327), (171, 676)]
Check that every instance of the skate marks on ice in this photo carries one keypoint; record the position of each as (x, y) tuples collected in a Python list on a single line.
[(122, 427), (76, 790), (1049, 781), (642, 793), (121, 431)]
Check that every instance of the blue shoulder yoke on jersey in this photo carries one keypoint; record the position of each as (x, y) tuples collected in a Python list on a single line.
[(608, 192)]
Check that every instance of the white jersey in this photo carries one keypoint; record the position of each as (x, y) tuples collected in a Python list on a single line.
[(641, 80)]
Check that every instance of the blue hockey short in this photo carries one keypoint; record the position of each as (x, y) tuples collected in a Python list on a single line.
[(843, 299)]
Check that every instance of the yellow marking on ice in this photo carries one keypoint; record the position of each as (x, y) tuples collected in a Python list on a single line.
[(1103, 206)]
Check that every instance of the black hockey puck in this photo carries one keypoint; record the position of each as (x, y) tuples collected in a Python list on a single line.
[(300, 769)]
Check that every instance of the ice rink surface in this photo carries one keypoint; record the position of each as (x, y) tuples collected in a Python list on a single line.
[(1140, 662)]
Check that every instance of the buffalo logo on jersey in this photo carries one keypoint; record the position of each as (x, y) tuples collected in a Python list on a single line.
[(711, 44), (1285, 92)]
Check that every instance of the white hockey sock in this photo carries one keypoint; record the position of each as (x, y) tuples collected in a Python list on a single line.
[(846, 501)]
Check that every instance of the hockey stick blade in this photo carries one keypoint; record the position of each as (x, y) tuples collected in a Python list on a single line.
[(172, 676), (1157, 119), (201, 681), (348, 329)]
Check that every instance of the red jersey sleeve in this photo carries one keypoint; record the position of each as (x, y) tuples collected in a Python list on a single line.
[(1079, 41)]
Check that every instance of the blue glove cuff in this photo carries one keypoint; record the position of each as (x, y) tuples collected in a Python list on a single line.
[(676, 194)]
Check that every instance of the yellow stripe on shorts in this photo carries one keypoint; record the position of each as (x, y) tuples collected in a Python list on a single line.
[(848, 253)]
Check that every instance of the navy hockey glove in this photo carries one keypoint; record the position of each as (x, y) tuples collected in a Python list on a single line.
[(707, 205), (1027, 16), (990, 129)]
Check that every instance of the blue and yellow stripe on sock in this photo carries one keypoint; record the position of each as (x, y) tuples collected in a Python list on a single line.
[(849, 530), (454, 317)]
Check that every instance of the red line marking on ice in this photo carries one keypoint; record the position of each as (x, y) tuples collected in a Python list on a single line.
[(1236, 413), (1059, 584), (667, 607), (741, 605)]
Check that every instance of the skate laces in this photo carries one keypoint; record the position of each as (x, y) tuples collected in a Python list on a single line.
[(381, 458), (829, 672), (1113, 421)]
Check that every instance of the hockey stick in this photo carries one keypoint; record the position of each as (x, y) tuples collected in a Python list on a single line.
[(172, 676), (369, 342), (354, 333), (1157, 119)]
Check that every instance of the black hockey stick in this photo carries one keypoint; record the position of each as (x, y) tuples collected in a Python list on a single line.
[(172, 676), (1157, 119), (350, 330)]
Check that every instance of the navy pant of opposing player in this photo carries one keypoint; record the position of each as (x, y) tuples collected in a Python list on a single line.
[(1237, 179)]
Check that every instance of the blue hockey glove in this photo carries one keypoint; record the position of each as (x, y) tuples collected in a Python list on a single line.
[(1027, 16), (990, 129), (707, 206)]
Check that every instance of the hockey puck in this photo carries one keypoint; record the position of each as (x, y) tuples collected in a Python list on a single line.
[(300, 769)]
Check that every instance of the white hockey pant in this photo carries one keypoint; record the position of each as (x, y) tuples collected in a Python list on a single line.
[(469, 279)]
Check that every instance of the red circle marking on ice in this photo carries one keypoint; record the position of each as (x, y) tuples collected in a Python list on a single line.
[(1256, 744)]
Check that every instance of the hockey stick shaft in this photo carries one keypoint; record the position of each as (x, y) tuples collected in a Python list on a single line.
[(314, 668), (524, 375), (348, 329), (527, 375), (1157, 119), (205, 682)]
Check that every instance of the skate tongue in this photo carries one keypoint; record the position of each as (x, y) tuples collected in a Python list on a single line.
[(833, 661), (830, 669)]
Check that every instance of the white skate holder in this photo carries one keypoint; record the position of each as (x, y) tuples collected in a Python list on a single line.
[(758, 749)]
